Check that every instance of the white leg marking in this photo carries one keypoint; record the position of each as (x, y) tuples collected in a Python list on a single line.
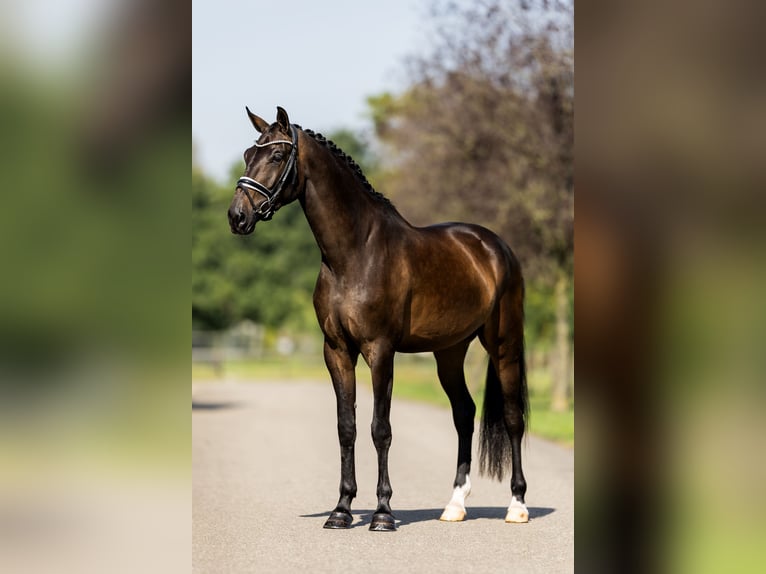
[(455, 509), (517, 512)]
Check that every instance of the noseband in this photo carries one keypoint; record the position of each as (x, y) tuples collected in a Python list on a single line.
[(268, 208)]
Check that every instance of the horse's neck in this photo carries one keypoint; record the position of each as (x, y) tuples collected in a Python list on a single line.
[(340, 212)]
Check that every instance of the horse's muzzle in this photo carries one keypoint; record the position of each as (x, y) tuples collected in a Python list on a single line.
[(238, 222)]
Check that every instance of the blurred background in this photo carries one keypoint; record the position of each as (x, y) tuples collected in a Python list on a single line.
[(94, 325), (670, 256)]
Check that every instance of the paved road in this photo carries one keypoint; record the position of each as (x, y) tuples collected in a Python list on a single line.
[(266, 472)]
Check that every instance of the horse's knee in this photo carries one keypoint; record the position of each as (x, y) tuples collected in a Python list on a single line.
[(381, 433)]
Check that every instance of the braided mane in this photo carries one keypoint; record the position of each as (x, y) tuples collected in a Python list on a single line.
[(350, 163)]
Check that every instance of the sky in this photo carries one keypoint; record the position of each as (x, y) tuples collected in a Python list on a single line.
[(317, 59)]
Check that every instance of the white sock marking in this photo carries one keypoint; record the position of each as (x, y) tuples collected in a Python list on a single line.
[(517, 511), (455, 509)]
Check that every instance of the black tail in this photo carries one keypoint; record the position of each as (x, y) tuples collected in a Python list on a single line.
[(495, 444)]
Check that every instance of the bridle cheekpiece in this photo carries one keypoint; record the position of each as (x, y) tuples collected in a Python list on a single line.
[(268, 208)]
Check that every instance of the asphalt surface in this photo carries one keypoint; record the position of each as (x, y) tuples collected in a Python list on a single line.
[(266, 469)]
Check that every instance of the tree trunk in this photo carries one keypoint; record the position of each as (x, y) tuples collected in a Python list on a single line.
[(560, 390)]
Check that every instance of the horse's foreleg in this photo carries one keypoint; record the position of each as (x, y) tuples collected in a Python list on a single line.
[(381, 361), (341, 363)]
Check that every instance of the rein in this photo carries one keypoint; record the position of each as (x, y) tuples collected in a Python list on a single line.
[(269, 207)]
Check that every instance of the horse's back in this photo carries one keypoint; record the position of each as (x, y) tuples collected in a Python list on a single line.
[(478, 251)]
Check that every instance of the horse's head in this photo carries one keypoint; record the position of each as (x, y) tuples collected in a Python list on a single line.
[(271, 174)]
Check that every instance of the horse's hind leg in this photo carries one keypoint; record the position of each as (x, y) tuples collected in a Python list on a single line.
[(511, 373), (449, 364), (503, 337)]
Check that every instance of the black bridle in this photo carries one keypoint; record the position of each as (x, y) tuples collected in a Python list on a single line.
[(268, 208)]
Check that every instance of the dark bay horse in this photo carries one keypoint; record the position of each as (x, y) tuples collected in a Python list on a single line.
[(385, 286)]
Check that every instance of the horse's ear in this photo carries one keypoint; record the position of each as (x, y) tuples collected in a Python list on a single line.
[(259, 124), (282, 119)]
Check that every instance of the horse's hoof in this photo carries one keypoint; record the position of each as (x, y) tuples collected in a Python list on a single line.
[(338, 520), (517, 512), (452, 514), (383, 523)]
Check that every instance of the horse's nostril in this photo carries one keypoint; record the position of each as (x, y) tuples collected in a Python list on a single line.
[(237, 218)]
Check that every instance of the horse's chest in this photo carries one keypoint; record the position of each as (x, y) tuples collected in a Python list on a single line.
[(362, 314), (361, 310), (364, 317)]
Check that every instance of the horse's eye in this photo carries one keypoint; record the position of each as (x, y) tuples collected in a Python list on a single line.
[(277, 157)]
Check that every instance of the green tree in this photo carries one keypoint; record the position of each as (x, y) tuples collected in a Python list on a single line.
[(267, 277)]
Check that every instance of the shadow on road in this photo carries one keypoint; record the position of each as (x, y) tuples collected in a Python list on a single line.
[(405, 517), (202, 406)]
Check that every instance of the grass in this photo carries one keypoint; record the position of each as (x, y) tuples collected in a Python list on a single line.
[(414, 379)]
